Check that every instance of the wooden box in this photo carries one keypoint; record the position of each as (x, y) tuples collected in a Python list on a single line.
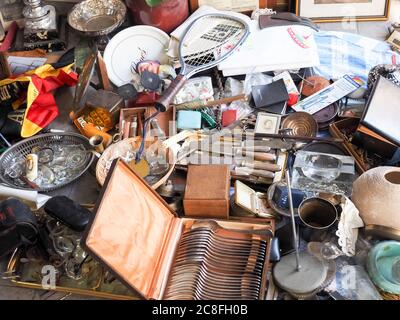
[(166, 120), (335, 129), (128, 114), (207, 191)]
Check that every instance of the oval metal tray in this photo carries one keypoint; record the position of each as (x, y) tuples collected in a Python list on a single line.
[(24, 147)]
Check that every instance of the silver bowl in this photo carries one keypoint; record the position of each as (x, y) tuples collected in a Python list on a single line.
[(97, 17)]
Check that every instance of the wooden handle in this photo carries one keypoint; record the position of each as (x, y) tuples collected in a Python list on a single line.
[(164, 101), (262, 165), (261, 156), (30, 183), (207, 104), (261, 173), (257, 149)]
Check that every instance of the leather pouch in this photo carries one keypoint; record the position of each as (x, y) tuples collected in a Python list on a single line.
[(68, 212), (270, 97)]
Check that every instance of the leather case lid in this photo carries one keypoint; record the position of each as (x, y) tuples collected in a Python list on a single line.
[(131, 231)]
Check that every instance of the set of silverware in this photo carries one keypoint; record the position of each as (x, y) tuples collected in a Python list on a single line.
[(215, 263)]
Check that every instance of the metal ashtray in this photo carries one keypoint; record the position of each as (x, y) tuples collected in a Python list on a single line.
[(97, 17)]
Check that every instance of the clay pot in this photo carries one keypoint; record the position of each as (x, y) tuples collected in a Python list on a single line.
[(376, 193)]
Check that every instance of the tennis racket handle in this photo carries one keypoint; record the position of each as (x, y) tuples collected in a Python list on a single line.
[(164, 101)]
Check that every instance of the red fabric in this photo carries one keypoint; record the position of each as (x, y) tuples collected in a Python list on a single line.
[(44, 108)]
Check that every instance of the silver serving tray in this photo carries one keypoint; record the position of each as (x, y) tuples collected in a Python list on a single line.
[(24, 147)]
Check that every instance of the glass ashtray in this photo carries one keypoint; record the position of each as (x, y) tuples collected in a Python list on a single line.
[(16, 169), (45, 155), (76, 158)]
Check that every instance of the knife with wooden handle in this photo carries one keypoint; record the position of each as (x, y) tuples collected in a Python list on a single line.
[(261, 165), (254, 172), (260, 156), (249, 145)]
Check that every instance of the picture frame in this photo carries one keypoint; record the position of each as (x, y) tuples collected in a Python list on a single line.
[(394, 39), (268, 123), (383, 121), (238, 6), (343, 10), (17, 62)]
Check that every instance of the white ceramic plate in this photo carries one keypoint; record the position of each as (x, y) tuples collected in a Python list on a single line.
[(131, 46)]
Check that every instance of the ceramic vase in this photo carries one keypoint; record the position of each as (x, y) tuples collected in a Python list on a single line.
[(376, 193)]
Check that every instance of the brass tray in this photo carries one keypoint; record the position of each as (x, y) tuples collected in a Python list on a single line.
[(14, 274)]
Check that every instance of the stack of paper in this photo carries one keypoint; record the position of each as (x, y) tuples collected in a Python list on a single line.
[(269, 49)]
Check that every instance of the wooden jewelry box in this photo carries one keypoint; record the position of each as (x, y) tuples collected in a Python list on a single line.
[(207, 191)]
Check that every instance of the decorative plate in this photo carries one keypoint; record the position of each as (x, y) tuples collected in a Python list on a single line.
[(131, 46)]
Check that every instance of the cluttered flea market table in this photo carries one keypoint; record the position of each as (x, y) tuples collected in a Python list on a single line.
[(263, 184)]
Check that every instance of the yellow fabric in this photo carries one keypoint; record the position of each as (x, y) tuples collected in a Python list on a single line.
[(29, 127)]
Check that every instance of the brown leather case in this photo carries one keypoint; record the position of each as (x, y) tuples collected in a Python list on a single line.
[(207, 191), (134, 233)]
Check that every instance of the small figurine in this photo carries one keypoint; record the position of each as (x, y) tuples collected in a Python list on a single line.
[(150, 75)]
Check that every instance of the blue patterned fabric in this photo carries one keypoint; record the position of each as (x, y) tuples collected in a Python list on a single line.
[(343, 53)]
